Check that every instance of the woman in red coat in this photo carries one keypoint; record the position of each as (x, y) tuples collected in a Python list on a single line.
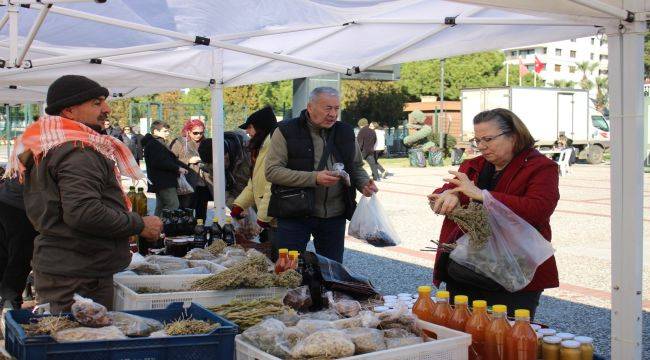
[(519, 177)]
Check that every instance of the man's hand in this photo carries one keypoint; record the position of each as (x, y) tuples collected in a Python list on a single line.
[(325, 178), (237, 212), (182, 171), (195, 160), (152, 228), (370, 188)]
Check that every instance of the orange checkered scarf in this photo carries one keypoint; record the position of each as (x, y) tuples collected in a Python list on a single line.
[(51, 131)]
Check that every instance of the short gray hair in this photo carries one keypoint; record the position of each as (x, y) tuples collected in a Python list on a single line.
[(322, 90)]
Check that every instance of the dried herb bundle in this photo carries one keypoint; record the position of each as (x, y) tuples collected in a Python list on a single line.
[(216, 248), (252, 272), (249, 313), (473, 220), (289, 279), (49, 325), (190, 327)]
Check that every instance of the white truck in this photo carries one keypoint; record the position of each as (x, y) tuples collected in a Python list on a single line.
[(547, 112)]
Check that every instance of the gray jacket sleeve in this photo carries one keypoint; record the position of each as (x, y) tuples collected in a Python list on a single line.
[(358, 175), (276, 170), (80, 178)]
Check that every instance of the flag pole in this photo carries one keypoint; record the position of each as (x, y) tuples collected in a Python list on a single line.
[(507, 73), (535, 79)]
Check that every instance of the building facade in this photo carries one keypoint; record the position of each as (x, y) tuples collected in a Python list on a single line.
[(561, 59)]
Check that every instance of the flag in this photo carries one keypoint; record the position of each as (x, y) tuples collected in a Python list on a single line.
[(522, 68), (539, 66)]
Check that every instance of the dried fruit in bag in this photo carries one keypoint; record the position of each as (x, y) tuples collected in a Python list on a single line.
[(328, 343), (366, 340), (134, 325), (89, 313), (268, 336)]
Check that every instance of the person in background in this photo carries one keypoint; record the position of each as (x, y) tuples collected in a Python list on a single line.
[(186, 149), (131, 141), (259, 126), (163, 167), (516, 175), (74, 197), (367, 138), (138, 138), (294, 161), (380, 147)]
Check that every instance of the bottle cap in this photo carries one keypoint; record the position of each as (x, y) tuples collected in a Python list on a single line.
[(539, 336), (228, 220), (442, 294), (572, 344), (565, 336), (215, 219), (583, 339), (424, 289), (283, 251), (199, 221), (522, 313), (460, 299), (294, 253), (140, 189), (536, 327), (479, 304), (547, 332), (499, 309), (131, 187), (552, 340)]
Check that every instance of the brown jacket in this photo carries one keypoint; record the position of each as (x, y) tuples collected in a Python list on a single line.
[(77, 205)]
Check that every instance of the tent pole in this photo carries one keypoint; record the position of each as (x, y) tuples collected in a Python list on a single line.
[(603, 7), (4, 20), (486, 21), (625, 65), (218, 168), (32, 34), (12, 10)]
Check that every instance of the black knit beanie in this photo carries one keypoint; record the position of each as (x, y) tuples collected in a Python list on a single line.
[(70, 90)]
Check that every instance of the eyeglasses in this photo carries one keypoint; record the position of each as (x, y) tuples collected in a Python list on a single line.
[(475, 142), (197, 132)]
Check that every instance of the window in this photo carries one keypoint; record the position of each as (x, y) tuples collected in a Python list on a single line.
[(572, 53), (558, 67), (543, 50), (558, 52), (602, 72), (573, 40), (572, 69), (591, 56), (603, 57), (513, 53), (530, 51), (593, 41), (603, 42), (599, 123)]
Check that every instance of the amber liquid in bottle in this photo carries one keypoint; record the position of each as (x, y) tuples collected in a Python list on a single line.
[(522, 342), (476, 326), (442, 312), (496, 334), (424, 307), (461, 313)]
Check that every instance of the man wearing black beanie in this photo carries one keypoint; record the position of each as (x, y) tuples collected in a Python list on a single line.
[(74, 197)]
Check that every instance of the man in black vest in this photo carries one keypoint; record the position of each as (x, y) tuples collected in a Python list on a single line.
[(294, 161)]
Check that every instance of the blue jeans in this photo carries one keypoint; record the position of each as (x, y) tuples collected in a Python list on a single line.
[(329, 234)]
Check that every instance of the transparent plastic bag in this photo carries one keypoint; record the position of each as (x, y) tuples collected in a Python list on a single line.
[(134, 325), (246, 228), (370, 223), (199, 254), (183, 187), (268, 336), (293, 335), (328, 343), (199, 270), (369, 319), (344, 307), (87, 334), (339, 170), (366, 340), (513, 252), (310, 326), (298, 298), (136, 259), (168, 263), (89, 313)]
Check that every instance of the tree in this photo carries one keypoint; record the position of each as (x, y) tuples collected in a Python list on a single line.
[(379, 101), (601, 93), (484, 69), (570, 84), (586, 84)]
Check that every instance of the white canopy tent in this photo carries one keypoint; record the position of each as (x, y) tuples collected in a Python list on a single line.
[(147, 45)]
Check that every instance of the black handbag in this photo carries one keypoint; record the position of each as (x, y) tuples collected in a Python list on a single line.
[(296, 202)]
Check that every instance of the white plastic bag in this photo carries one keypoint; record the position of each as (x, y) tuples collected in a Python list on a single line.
[(513, 252), (370, 223), (184, 187), (247, 228)]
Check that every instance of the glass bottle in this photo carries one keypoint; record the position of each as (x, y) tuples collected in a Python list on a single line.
[(228, 232), (497, 333), (424, 306), (200, 239), (476, 326), (551, 348), (442, 312), (461, 313), (141, 202), (522, 342), (293, 259), (215, 231), (586, 347), (283, 260), (570, 350)]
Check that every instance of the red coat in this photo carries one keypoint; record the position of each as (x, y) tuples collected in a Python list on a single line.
[(529, 187)]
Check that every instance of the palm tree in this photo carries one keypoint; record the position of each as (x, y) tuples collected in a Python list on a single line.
[(564, 83), (586, 84), (593, 66), (601, 92), (583, 66)]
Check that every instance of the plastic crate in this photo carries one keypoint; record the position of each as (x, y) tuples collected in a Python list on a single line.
[(127, 299), (450, 345), (219, 344)]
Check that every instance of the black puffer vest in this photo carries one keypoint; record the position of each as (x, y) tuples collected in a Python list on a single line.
[(300, 150)]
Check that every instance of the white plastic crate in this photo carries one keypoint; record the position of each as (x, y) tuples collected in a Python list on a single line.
[(127, 299), (450, 345)]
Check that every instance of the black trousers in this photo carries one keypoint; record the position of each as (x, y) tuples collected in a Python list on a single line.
[(16, 247), (518, 300), (329, 235), (198, 200)]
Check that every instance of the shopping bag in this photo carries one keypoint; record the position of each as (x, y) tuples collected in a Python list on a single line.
[(246, 228), (511, 254), (184, 187), (370, 223)]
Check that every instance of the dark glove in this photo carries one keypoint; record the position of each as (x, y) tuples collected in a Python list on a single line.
[(262, 224), (236, 212)]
